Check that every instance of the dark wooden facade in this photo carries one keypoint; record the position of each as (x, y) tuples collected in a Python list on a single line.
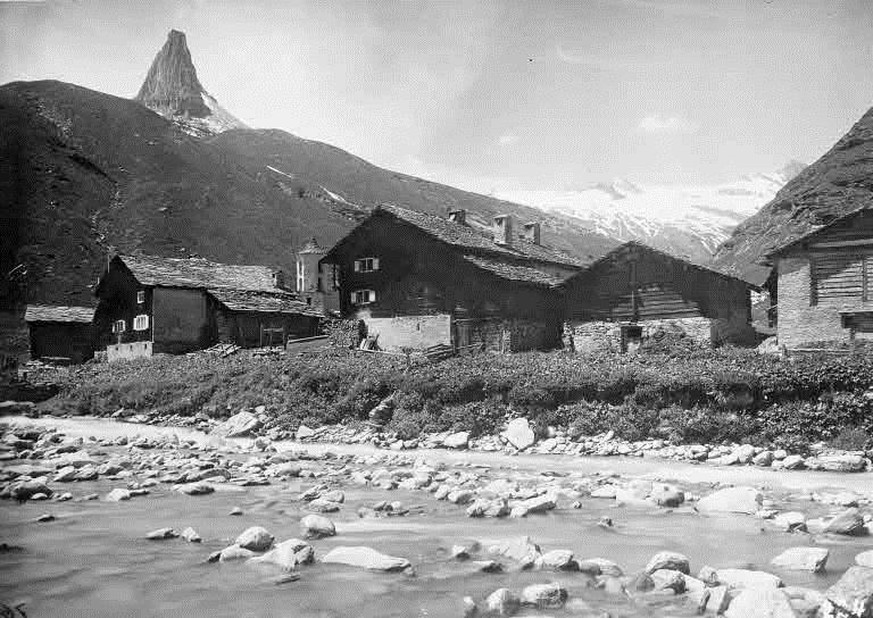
[(637, 284), (64, 334), (824, 284), (430, 291)]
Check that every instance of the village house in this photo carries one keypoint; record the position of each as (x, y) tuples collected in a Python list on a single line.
[(824, 284), (149, 304), (59, 333), (419, 280), (637, 293)]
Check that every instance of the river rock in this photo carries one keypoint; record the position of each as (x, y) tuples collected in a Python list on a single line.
[(519, 434), (559, 559), (240, 424), (231, 553), (365, 558), (760, 603), (732, 500), (119, 494), (849, 522), (744, 578), (457, 440), (502, 602), (317, 527), (669, 560), (162, 534), (865, 559), (520, 549), (793, 462), (837, 463), (811, 559), (195, 489), (791, 521), (29, 490), (461, 496), (538, 504), (66, 474), (190, 535), (852, 595), (718, 601), (287, 555), (488, 508), (255, 538), (544, 596), (763, 459), (668, 579)]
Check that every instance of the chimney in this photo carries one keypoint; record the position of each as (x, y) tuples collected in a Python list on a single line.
[(279, 279), (503, 230), (532, 232), (458, 216)]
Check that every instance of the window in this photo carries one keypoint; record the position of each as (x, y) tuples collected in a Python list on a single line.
[(366, 265), (363, 297), (119, 326), (140, 297), (141, 322)]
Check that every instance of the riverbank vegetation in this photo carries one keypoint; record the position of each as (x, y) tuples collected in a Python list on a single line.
[(687, 396)]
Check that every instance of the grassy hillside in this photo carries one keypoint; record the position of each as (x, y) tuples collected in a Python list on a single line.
[(839, 182)]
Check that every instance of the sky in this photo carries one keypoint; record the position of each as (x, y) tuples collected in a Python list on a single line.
[(494, 96)]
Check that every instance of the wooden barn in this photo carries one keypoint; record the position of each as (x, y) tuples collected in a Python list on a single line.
[(419, 280), (824, 284), (60, 334), (149, 304), (636, 293)]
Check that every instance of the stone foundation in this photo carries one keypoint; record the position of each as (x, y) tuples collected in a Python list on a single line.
[(594, 337), (128, 351)]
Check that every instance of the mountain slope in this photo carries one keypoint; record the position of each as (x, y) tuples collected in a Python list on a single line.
[(172, 89), (82, 171), (839, 182), (684, 220), (337, 175)]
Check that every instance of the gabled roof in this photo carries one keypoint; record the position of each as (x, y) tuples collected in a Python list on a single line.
[(624, 247), (312, 246), (263, 302), (199, 273), (523, 261), (812, 234), (58, 313), (476, 240)]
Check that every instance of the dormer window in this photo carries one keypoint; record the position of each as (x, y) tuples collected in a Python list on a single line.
[(366, 265), (363, 297)]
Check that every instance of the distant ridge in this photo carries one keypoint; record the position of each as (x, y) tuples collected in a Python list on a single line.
[(840, 182)]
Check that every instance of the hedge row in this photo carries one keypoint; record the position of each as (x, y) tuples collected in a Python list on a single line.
[(703, 395)]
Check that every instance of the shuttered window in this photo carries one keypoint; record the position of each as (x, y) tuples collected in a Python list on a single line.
[(366, 265), (363, 297), (141, 322), (840, 276)]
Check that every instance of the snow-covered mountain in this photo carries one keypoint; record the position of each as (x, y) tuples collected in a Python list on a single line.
[(682, 219), (172, 89)]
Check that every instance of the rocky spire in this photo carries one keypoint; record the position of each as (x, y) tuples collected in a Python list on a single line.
[(172, 89)]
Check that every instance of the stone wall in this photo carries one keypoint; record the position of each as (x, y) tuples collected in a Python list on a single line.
[(592, 337), (415, 332), (128, 351), (800, 323)]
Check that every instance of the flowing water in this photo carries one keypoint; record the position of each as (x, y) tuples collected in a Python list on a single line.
[(93, 559)]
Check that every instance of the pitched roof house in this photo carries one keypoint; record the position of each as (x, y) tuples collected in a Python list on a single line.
[(418, 280), (150, 304), (824, 283), (636, 293)]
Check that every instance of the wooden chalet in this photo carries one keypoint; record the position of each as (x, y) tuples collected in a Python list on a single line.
[(419, 280), (149, 304), (824, 283), (60, 333), (636, 292)]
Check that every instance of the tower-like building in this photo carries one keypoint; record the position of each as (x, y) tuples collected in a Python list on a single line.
[(315, 283)]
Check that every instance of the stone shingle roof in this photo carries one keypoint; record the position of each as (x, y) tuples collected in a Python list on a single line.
[(477, 240), (198, 273), (53, 313), (514, 272), (263, 302), (312, 246), (767, 258)]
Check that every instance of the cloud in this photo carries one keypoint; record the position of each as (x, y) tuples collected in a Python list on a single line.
[(508, 139), (656, 123)]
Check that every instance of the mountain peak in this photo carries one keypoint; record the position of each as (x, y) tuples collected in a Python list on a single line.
[(172, 89)]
